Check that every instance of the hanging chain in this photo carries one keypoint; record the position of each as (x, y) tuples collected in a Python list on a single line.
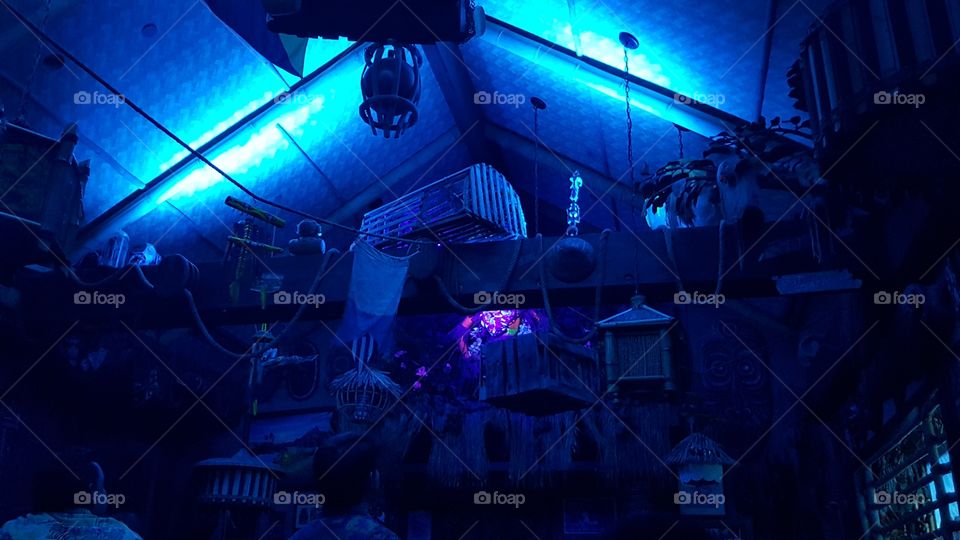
[(626, 86), (22, 109), (679, 140), (536, 171), (573, 211)]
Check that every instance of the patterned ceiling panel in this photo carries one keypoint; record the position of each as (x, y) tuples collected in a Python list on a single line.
[(177, 61), (580, 123), (692, 47), (323, 119)]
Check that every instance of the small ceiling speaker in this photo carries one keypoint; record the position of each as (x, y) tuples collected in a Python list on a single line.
[(391, 88)]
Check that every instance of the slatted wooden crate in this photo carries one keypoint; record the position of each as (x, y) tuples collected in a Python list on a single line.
[(473, 205), (538, 375)]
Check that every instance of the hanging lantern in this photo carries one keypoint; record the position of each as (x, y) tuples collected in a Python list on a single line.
[(391, 87), (699, 461), (637, 348)]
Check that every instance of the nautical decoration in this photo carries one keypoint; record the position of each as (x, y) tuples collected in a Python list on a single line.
[(699, 461), (391, 87), (572, 259), (637, 348)]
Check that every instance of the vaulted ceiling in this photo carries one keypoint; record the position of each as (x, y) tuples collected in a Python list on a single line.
[(312, 151)]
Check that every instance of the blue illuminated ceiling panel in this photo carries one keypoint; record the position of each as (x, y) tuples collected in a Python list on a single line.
[(692, 47), (194, 75), (323, 118), (585, 124)]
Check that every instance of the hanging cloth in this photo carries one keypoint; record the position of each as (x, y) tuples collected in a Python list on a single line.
[(376, 285)]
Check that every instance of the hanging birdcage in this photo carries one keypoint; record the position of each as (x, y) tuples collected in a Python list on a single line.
[(364, 393), (241, 480), (637, 348)]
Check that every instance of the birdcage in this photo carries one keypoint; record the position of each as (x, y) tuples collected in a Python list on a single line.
[(241, 480), (637, 348), (473, 205), (364, 393)]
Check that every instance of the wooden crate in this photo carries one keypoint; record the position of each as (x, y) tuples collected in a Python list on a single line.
[(538, 375), (472, 205)]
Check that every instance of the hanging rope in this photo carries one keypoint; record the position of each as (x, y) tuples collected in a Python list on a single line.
[(536, 171), (445, 292)]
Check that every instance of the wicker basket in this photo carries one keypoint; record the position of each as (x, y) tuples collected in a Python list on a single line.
[(473, 205)]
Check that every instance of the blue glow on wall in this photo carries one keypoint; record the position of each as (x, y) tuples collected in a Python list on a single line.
[(246, 150), (230, 109), (597, 31)]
